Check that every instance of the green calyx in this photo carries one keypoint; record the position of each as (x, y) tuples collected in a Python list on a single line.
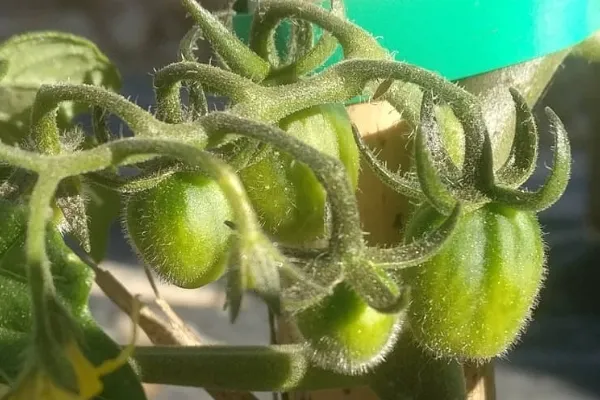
[(443, 184)]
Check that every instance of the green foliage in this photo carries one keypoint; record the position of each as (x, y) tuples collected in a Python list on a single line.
[(73, 281)]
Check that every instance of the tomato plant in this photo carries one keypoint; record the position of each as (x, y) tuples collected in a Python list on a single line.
[(472, 299), (263, 195), (289, 200)]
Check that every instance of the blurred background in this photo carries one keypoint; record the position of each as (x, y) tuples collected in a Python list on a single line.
[(557, 358)]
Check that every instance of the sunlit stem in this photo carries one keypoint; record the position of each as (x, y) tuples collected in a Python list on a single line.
[(276, 368), (556, 182), (198, 105), (314, 57), (235, 53), (49, 318), (167, 83), (355, 42), (49, 97), (521, 162), (427, 171)]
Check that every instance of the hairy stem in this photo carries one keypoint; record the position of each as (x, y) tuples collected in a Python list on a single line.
[(245, 368), (355, 42), (167, 82)]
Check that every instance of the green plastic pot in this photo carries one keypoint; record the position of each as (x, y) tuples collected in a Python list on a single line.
[(462, 38)]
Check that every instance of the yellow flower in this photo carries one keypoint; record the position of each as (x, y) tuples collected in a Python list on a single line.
[(36, 384)]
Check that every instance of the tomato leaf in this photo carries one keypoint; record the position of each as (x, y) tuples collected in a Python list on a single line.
[(73, 280), (102, 209), (33, 59)]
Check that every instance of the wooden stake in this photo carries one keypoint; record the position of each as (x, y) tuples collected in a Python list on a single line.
[(480, 381)]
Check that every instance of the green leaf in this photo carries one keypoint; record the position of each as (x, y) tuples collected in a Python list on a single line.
[(102, 209), (73, 280), (46, 57)]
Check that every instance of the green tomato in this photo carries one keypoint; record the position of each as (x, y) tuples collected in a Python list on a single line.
[(178, 229), (286, 195), (474, 297), (345, 335)]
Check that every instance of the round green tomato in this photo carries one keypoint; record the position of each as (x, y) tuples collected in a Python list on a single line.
[(345, 335), (178, 229), (474, 297), (285, 194)]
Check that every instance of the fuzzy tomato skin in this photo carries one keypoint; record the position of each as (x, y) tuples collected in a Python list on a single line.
[(473, 299), (285, 194), (344, 334), (178, 229)]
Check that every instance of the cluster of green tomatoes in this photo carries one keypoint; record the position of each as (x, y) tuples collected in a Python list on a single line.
[(270, 205), (466, 296)]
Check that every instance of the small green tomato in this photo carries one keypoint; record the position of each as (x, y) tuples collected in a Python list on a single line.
[(178, 229), (287, 197), (345, 335), (473, 299)]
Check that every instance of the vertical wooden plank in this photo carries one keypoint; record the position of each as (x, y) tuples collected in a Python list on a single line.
[(480, 381)]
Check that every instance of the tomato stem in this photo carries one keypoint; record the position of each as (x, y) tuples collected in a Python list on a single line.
[(234, 53), (167, 83), (244, 368)]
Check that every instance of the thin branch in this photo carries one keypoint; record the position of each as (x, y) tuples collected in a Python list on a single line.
[(174, 332)]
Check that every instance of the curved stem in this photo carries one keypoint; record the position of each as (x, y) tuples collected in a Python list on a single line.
[(404, 184), (420, 250), (355, 42), (167, 83), (346, 236), (128, 185), (198, 105), (555, 183), (48, 98), (347, 79), (276, 368), (314, 57), (521, 162), (235, 53), (141, 122), (429, 175)]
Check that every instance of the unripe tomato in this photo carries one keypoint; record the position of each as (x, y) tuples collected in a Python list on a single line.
[(285, 194), (474, 297), (344, 334), (178, 229)]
